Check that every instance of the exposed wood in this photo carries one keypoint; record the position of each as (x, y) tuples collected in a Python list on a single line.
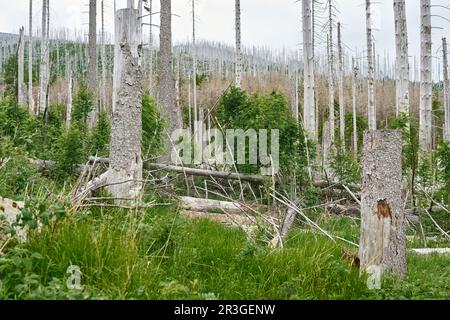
[(208, 205), (382, 241), (431, 251)]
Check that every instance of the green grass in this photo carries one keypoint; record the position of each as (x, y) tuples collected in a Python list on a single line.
[(158, 254)]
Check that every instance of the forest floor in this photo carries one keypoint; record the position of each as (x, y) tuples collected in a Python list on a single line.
[(157, 253)]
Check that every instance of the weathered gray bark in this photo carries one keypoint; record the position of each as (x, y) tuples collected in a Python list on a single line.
[(30, 60), (238, 43), (382, 241), (92, 64), (446, 92), (331, 87), (103, 57), (124, 176), (425, 117), (166, 99), (21, 67), (309, 114), (44, 70), (341, 89), (69, 91), (355, 129), (371, 70), (401, 62)]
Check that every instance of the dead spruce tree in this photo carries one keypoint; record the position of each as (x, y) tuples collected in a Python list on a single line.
[(354, 114), (167, 97), (425, 116), (309, 114), (238, 43), (401, 61), (44, 70), (124, 176), (21, 67), (371, 69), (446, 92), (69, 91), (341, 88), (30, 59), (382, 241), (92, 64)]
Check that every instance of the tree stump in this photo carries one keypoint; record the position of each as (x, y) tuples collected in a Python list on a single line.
[(382, 242)]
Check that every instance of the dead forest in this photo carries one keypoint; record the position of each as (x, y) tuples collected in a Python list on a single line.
[(134, 165)]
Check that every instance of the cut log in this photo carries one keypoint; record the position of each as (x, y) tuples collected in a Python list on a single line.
[(382, 241)]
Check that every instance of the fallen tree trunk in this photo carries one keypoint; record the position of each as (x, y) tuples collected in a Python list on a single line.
[(431, 251), (207, 205)]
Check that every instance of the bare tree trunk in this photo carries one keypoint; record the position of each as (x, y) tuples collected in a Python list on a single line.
[(194, 79), (371, 72), (44, 67), (30, 60), (69, 91), (425, 119), (169, 110), (331, 88), (401, 62), (126, 124), (355, 129), (309, 114), (130, 4), (20, 65), (382, 241), (238, 44), (150, 72), (341, 89), (446, 92), (92, 65), (103, 57)]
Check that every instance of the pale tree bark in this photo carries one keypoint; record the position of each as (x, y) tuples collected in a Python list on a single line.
[(21, 67), (69, 91), (92, 65), (197, 130), (425, 117), (309, 113), (150, 72), (341, 89), (44, 70), (331, 87), (30, 60), (383, 240), (401, 62), (130, 4), (238, 43), (103, 57), (355, 129), (371, 71), (166, 98), (446, 92)]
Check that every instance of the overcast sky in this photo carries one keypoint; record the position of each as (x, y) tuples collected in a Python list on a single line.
[(270, 23)]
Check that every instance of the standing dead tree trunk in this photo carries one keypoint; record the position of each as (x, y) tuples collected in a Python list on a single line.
[(309, 114), (425, 117), (103, 57), (166, 99), (446, 92), (341, 89), (331, 88), (44, 70), (92, 65), (238, 44), (401, 62), (69, 91), (355, 128), (371, 70), (30, 60), (124, 176), (20, 65), (382, 241)]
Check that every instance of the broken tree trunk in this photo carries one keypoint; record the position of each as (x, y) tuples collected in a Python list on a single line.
[(20, 65), (382, 242), (92, 66), (425, 117), (124, 176), (166, 98)]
